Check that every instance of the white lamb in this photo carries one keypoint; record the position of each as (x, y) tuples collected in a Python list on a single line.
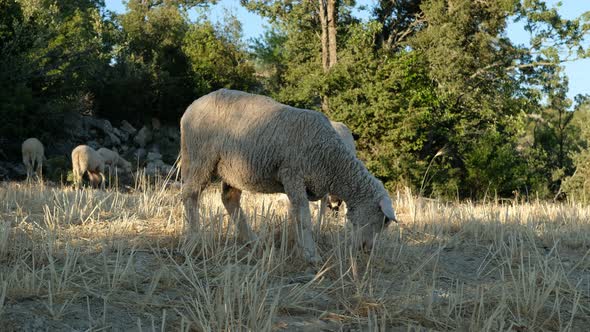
[(256, 144), (33, 155), (86, 159), (112, 159)]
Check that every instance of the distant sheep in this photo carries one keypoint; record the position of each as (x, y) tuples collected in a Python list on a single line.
[(113, 159), (86, 159), (256, 144), (33, 155)]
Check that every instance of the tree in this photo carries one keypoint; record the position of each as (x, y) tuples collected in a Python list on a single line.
[(164, 61), (52, 54), (427, 77), (577, 186)]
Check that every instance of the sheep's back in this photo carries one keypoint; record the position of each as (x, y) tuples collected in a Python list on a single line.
[(88, 157), (32, 147), (253, 136)]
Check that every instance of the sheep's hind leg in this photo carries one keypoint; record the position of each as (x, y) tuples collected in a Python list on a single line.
[(195, 179), (230, 197), (299, 211), (39, 171), (29, 167), (321, 214)]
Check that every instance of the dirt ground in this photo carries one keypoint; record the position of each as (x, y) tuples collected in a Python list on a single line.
[(92, 260)]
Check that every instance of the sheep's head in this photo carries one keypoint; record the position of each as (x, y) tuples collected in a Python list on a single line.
[(370, 218)]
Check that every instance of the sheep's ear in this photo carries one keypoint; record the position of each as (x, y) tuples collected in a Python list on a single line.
[(387, 208)]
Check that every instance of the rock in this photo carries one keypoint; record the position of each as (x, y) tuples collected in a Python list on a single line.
[(156, 124), (74, 126), (100, 124), (154, 156), (143, 137), (4, 173), (157, 167), (10, 170), (140, 154), (93, 144), (171, 133), (154, 147), (128, 128), (104, 126), (111, 141), (123, 135), (168, 139)]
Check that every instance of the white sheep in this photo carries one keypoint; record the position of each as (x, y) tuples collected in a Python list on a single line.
[(86, 159), (33, 155), (256, 144), (112, 159), (333, 201)]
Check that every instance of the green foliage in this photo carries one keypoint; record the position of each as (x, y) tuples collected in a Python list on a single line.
[(216, 62), (57, 169), (577, 186), (435, 78), (164, 62), (436, 94)]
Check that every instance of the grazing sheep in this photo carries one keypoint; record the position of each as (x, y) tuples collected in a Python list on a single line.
[(256, 144), (113, 159), (332, 201), (33, 155), (86, 159)]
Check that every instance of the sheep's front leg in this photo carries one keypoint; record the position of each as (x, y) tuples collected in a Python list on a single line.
[(28, 166), (299, 211), (103, 180), (230, 197)]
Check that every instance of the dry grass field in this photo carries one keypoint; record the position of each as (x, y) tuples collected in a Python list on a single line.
[(95, 260)]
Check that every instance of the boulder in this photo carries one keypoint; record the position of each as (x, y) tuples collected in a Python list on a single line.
[(93, 144), (74, 126), (123, 135), (140, 154), (11, 170), (156, 124), (154, 156), (128, 128), (105, 127), (157, 167), (4, 173), (143, 137)]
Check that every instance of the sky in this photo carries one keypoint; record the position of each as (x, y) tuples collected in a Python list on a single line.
[(253, 25)]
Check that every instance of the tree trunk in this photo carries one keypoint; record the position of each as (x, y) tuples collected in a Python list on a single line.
[(328, 14), (332, 15), (324, 25)]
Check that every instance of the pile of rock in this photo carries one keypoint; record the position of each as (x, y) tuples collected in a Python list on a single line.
[(148, 147), (153, 147)]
